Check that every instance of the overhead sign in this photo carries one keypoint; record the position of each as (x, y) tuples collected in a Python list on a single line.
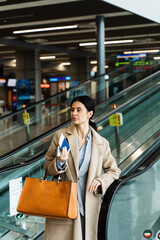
[(26, 118), (45, 85), (116, 119), (55, 79)]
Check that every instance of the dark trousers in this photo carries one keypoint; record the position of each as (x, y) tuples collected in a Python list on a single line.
[(83, 226)]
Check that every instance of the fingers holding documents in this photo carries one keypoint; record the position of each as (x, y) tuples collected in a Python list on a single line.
[(64, 155)]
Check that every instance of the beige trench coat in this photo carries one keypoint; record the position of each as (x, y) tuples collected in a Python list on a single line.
[(101, 159)]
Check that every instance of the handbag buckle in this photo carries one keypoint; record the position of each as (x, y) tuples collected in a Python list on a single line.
[(59, 179), (41, 179)]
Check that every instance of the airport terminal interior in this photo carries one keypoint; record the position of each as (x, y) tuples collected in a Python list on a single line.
[(52, 51)]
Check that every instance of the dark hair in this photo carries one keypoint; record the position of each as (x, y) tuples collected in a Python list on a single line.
[(89, 104)]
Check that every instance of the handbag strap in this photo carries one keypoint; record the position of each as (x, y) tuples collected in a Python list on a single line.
[(44, 176), (59, 178)]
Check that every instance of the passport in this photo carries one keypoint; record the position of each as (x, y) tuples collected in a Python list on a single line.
[(63, 143)]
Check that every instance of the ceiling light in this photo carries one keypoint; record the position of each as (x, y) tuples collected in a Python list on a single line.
[(157, 58), (66, 63), (93, 62), (45, 29), (142, 51), (106, 42), (119, 41), (47, 57), (88, 44)]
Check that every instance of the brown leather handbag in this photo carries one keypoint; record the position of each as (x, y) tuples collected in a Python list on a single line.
[(49, 199)]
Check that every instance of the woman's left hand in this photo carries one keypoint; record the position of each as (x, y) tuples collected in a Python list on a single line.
[(94, 185)]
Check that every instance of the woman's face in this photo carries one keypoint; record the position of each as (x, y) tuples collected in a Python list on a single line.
[(79, 113)]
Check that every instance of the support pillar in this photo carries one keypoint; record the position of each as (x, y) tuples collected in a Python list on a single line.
[(101, 85), (28, 66), (37, 77), (80, 71)]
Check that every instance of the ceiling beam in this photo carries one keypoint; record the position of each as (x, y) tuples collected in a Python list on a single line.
[(33, 46), (62, 20), (40, 3)]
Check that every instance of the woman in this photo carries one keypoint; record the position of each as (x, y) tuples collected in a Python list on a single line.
[(89, 154)]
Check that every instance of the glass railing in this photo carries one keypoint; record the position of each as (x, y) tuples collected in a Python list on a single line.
[(48, 114), (134, 211), (139, 111), (18, 226), (140, 121)]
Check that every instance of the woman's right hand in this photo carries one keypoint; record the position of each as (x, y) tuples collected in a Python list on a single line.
[(64, 155)]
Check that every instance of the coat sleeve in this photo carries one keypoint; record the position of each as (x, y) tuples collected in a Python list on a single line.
[(50, 164), (110, 170)]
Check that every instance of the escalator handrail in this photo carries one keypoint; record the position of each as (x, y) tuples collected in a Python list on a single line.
[(23, 164), (34, 140), (119, 108), (71, 88), (115, 187), (100, 118)]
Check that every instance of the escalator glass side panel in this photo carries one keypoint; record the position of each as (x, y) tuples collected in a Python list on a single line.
[(125, 96), (135, 208), (29, 153), (140, 122), (33, 225), (17, 129), (26, 125)]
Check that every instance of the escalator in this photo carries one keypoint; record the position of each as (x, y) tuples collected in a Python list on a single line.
[(28, 137), (143, 104), (50, 113), (141, 115)]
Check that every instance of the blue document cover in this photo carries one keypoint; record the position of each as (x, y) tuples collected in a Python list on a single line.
[(63, 143)]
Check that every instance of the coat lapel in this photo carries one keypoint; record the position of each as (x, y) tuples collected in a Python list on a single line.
[(72, 140), (71, 136), (95, 154)]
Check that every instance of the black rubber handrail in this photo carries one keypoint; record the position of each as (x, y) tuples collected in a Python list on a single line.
[(23, 164)]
